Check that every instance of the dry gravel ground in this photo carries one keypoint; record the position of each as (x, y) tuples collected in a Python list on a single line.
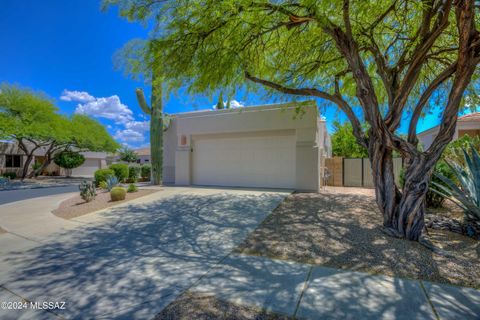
[(340, 228), (76, 206), (191, 305)]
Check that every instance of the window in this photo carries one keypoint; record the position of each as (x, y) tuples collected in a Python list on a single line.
[(146, 160), (13, 161), (138, 160)]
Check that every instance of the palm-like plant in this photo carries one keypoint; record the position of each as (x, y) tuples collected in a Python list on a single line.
[(467, 194)]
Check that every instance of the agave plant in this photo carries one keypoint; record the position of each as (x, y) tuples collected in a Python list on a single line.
[(467, 194), (111, 182)]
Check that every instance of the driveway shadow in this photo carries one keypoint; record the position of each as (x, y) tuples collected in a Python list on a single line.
[(140, 258)]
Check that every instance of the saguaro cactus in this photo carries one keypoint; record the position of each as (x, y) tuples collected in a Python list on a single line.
[(156, 129)]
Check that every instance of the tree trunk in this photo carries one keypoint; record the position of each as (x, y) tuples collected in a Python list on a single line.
[(386, 191), (403, 212), (26, 165)]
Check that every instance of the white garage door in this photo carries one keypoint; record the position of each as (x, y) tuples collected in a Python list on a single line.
[(254, 161), (87, 168)]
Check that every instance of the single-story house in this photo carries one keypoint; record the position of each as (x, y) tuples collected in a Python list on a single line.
[(262, 146), (12, 159), (143, 155), (467, 124)]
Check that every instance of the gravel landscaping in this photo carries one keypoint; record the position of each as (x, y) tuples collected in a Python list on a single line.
[(340, 228), (76, 206), (191, 305)]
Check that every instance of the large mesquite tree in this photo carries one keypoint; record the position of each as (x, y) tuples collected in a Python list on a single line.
[(379, 60)]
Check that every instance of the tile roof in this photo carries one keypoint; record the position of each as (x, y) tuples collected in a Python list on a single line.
[(470, 117), (143, 151)]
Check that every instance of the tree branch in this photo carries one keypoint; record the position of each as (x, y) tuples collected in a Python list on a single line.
[(336, 98), (428, 38), (467, 60), (447, 73)]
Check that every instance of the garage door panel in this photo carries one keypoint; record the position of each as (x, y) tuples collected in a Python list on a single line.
[(87, 169), (266, 161)]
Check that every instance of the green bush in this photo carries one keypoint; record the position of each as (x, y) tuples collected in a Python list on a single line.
[(87, 190), (433, 199), (102, 174), (121, 171), (132, 188), (11, 175), (146, 170), (133, 174), (118, 193)]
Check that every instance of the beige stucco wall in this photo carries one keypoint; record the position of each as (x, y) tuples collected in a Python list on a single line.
[(426, 137), (247, 121)]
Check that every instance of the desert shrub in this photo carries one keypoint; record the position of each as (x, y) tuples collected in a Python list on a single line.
[(132, 188), (146, 170), (11, 175), (103, 185), (102, 174), (87, 190), (118, 193), (133, 174), (433, 199), (121, 171), (111, 182)]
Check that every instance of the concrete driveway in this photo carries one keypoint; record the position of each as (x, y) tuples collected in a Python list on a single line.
[(124, 263)]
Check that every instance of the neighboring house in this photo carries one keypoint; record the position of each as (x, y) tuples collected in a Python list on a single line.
[(12, 159), (143, 155), (262, 146), (467, 124)]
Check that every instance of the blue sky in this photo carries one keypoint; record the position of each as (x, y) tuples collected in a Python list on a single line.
[(66, 48)]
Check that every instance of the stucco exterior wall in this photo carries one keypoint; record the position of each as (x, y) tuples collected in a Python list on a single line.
[(426, 137), (309, 137)]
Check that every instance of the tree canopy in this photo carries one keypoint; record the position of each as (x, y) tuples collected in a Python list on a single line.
[(344, 143), (128, 155)]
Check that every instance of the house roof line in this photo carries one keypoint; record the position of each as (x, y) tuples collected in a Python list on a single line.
[(264, 107), (475, 116)]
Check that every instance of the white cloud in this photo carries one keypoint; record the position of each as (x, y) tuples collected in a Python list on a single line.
[(138, 126), (129, 135), (108, 108), (78, 96), (234, 104), (134, 131)]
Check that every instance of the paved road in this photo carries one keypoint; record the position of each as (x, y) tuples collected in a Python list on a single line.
[(17, 195)]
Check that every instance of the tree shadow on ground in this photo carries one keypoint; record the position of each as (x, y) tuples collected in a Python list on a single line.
[(343, 230), (142, 254)]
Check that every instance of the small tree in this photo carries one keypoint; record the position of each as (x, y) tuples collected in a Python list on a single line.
[(344, 143), (220, 104), (69, 160), (128, 155)]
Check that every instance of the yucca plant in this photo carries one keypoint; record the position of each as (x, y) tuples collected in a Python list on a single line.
[(467, 194), (111, 182)]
